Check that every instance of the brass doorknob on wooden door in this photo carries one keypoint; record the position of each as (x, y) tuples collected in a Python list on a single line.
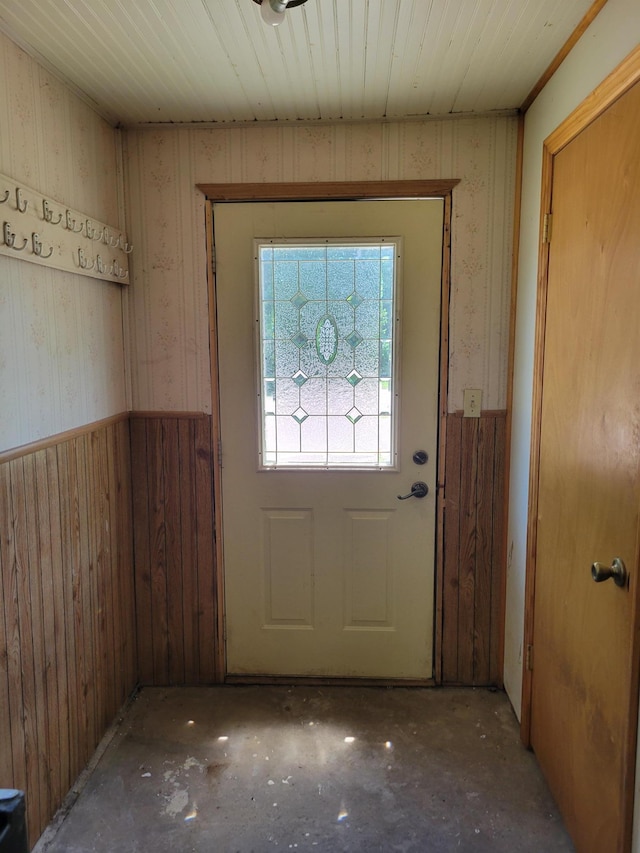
[(617, 570), (418, 490)]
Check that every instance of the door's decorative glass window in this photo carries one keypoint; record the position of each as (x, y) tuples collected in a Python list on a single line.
[(327, 318)]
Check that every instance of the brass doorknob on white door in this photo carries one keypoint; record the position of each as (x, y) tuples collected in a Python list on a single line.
[(617, 570), (418, 490)]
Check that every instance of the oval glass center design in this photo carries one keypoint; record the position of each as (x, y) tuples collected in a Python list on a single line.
[(327, 339)]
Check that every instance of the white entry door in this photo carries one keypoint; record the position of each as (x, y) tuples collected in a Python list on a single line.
[(328, 351)]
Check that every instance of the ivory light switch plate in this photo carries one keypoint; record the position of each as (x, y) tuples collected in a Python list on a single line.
[(472, 402)]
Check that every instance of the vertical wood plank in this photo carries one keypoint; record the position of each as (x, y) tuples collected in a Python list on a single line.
[(41, 572), (126, 560), (157, 552), (67, 564), (206, 551), (173, 528), (498, 555), (115, 601), (105, 578), (468, 537), (85, 614), (484, 550), (144, 614), (31, 659), (53, 603), (188, 545), (6, 756), (451, 550), (94, 521), (39, 623)]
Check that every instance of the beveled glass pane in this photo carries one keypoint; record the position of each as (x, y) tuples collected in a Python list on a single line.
[(385, 359), (386, 319), (386, 279), (314, 434), (287, 358), (339, 252), (286, 319), (287, 434), (268, 320), (285, 276), (326, 333), (368, 319), (313, 278), (287, 396), (343, 314), (340, 279), (384, 400), (368, 279), (298, 253), (340, 396), (366, 396), (269, 435), (313, 396), (269, 397), (384, 427), (367, 358), (340, 435), (310, 316), (266, 271), (268, 359), (366, 434)]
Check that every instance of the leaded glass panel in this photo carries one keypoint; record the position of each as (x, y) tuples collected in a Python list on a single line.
[(327, 316)]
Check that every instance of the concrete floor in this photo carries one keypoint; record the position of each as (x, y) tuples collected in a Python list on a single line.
[(253, 769)]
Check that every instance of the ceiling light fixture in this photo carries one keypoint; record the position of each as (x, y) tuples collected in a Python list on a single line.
[(272, 11)]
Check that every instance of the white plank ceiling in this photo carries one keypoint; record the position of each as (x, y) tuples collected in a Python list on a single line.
[(143, 61)]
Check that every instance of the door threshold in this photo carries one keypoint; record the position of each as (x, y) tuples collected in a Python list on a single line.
[(324, 681)]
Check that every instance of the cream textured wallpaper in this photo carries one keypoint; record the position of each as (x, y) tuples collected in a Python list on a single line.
[(61, 335), (170, 357)]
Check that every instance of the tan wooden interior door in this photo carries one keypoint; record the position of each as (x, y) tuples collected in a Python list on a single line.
[(584, 699), (326, 572)]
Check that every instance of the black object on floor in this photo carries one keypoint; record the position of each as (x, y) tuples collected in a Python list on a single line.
[(13, 828)]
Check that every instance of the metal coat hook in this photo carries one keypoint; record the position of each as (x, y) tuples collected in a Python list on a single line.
[(83, 261), (98, 235), (36, 243), (10, 238), (47, 213), (21, 203), (126, 247), (100, 266), (118, 271), (90, 231), (70, 224), (7, 193)]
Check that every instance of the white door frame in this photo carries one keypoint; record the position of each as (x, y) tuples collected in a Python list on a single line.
[(333, 191)]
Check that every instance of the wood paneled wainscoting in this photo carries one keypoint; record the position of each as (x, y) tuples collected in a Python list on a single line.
[(473, 549), (176, 596), (67, 646), (175, 550)]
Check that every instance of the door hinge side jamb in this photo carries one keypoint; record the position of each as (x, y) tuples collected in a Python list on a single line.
[(546, 227)]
